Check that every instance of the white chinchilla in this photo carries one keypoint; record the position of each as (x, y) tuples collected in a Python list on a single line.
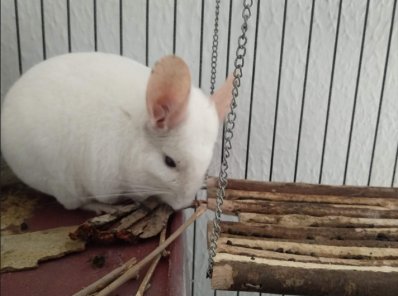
[(89, 128)]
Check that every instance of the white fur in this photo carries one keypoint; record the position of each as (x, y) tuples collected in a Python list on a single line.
[(76, 127)]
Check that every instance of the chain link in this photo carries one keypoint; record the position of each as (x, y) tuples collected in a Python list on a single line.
[(228, 126), (214, 53)]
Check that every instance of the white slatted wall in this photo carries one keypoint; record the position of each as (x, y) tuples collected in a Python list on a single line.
[(320, 85)]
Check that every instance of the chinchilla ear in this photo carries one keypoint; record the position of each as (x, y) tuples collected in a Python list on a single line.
[(222, 97), (167, 93)]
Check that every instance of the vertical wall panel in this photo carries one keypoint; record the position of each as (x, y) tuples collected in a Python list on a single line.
[(108, 26), (369, 91), (9, 52), (387, 139), (188, 25), (30, 32), (56, 29), (317, 90), (347, 59), (161, 14), (82, 25), (221, 62), (294, 58), (239, 142), (265, 88), (134, 29)]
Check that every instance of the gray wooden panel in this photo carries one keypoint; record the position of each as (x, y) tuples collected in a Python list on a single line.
[(9, 47), (134, 29), (373, 63), (316, 93), (30, 33), (265, 88), (387, 140), (347, 61), (108, 26), (160, 29), (291, 87), (82, 25), (56, 27)]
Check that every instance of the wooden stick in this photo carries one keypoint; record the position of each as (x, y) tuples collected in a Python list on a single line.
[(145, 282), (107, 279), (134, 270), (323, 248), (148, 205), (255, 253), (313, 233), (319, 250), (302, 188), (312, 209), (236, 272), (326, 242), (234, 194), (305, 220)]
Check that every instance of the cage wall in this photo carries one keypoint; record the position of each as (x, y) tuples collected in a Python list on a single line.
[(319, 96)]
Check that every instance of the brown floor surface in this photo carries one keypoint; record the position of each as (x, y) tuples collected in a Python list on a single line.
[(67, 275)]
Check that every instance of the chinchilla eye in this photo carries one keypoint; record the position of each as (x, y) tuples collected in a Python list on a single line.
[(169, 162)]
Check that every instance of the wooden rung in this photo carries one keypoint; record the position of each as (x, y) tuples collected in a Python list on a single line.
[(288, 208), (312, 233), (316, 250), (311, 221), (255, 253), (244, 273), (241, 195), (307, 239), (307, 189), (313, 209)]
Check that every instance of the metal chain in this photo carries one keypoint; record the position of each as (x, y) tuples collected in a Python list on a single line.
[(214, 53), (228, 132)]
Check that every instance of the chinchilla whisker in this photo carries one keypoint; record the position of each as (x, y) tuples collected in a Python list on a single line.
[(137, 188), (149, 192), (146, 189), (116, 182)]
